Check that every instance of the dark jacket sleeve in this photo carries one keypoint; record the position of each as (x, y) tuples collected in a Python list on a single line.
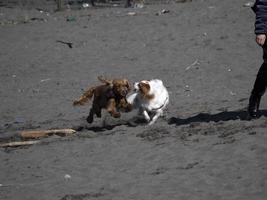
[(260, 9)]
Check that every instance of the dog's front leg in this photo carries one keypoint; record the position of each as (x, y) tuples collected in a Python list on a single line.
[(145, 114), (111, 108), (129, 107), (155, 117)]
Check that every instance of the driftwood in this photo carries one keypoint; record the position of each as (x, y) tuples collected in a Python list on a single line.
[(45, 133), (16, 144)]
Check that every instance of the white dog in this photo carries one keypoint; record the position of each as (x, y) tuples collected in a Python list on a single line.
[(151, 98)]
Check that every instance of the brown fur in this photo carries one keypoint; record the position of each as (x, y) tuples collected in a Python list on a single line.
[(144, 90), (110, 96)]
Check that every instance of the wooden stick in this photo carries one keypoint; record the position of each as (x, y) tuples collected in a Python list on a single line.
[(44, 133), (22, 143)]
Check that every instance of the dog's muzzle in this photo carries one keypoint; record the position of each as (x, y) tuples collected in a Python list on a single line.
[(136, 87)]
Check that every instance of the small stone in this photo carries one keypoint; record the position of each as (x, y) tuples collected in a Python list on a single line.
[(248, 4), (67, 176)]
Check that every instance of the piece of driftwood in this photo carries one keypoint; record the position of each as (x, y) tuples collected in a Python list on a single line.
[(21, 143), (45, 133)]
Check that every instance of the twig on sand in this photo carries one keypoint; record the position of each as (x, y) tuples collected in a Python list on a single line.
[(44, 133), (20, 143), (192, 65), (67, 43)]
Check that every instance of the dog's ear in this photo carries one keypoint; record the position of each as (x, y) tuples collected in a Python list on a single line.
[(144, 89), (104, 80), (128, 85)]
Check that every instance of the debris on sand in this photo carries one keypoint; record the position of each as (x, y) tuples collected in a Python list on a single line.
[(38, 19), (248, 4), (131, 13), (25, 135), (189, 166), (67, 177), (20, 143), (70, 19), (211, 7), (82, 196), (163, 11), (40, 10), (67, 43), (19, 120), (192, 65), (45, 133), (252, 133), (85, 5), (43, 11), (45, 80), (232, 93), (139, 5), (183, 1)]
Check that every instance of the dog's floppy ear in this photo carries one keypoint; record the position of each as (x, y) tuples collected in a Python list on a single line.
[(128, 84), (104, 80), (144, 89)]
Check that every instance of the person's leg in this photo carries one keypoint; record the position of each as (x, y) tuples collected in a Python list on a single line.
[(127, 3), (259, 87)]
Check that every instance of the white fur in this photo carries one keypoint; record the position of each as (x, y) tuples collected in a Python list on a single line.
[(150, 109)]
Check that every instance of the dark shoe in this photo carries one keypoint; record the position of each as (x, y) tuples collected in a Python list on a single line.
[(127, 4), (253, 106)]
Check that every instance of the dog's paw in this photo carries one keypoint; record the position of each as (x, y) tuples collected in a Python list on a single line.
[(151, 123), (116, 115), (76, 102), (89, 119), (147, 118), (129, 108)]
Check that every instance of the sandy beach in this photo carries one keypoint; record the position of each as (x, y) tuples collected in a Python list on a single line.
[(204, 148)]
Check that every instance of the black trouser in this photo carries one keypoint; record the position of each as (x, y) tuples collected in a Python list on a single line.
[(261, 80)]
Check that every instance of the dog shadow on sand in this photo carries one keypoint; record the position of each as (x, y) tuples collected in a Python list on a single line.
[(222, 116), (133, 122), (201, 117)]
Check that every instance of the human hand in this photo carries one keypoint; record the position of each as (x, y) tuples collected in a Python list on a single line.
[(260, 39)]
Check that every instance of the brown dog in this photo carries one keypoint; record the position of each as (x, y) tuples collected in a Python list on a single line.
[(110, 96)]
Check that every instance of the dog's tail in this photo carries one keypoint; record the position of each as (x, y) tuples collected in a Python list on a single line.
[(104, 80), (85, 97)]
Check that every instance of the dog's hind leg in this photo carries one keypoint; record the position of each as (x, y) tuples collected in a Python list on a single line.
[(90, 117), (98, 112)]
